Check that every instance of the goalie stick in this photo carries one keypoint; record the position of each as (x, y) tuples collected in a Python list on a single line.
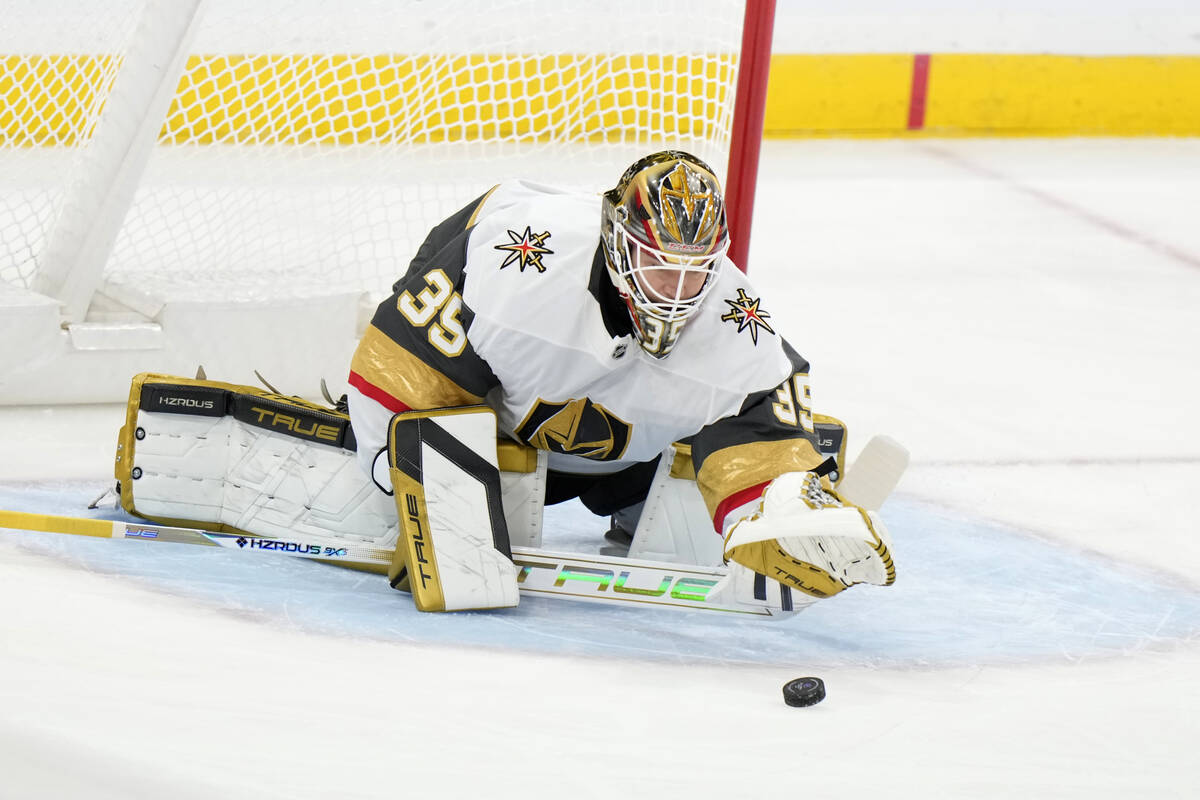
[(540, 572), (573, 576)]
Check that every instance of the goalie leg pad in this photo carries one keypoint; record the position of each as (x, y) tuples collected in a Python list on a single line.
[(523, 473), (200, 453), (674, 524), (453, 553)]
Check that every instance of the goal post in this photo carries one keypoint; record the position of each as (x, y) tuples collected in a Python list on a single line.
[(237, 184), (754, 67), (82, 236)]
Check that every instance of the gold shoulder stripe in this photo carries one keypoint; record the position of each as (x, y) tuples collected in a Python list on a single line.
[(393, 369), (479, 205), (732, 469)]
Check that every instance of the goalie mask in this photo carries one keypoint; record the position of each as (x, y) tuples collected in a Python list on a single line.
[(664, 235)]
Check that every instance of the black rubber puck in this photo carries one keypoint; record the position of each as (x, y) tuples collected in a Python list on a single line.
[(802, 692)]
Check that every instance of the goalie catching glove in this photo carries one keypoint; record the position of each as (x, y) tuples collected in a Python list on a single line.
[(805, 537)]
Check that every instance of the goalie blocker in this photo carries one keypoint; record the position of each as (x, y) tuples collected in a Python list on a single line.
[(453, 552)]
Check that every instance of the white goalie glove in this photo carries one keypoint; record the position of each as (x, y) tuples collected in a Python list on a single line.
[(807, 538)]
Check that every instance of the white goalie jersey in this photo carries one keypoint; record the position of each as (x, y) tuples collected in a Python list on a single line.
[(508, 318), (508, 303)]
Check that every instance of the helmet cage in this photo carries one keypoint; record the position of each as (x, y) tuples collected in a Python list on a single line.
[(634, 263)]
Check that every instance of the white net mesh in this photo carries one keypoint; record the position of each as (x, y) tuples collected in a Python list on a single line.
[(312, 145), (56, 68)]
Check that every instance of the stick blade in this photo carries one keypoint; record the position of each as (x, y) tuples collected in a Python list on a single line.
[(875, 473)]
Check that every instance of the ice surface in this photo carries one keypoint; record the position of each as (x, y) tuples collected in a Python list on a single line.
[(972, 593), (1021, 314)]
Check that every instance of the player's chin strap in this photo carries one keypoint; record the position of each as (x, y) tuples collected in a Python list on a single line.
[(453, 552)]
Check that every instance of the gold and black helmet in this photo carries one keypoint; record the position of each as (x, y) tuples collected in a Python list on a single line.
[(665, 237)]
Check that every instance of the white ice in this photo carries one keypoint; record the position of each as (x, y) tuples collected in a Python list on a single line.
[(1022, 314)]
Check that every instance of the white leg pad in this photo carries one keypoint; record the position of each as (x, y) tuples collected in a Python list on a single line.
[(524, 500), (675, 525), (219, 471)]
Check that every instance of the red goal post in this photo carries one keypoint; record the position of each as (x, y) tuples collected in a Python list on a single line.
[(754, 68)]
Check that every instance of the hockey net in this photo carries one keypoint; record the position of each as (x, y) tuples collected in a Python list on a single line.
[(222, 151)]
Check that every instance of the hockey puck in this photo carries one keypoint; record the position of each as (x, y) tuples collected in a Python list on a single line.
[(802, 692)]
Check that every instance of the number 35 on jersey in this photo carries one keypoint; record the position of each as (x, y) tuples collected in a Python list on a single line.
[(793, 404), (438, 300)]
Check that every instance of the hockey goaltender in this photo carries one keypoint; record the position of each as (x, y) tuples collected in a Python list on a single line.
[(527, 358)]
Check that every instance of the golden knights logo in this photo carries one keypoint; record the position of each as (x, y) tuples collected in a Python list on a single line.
[(746, 313), (526, 249), (576, 428), (681, 195)]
